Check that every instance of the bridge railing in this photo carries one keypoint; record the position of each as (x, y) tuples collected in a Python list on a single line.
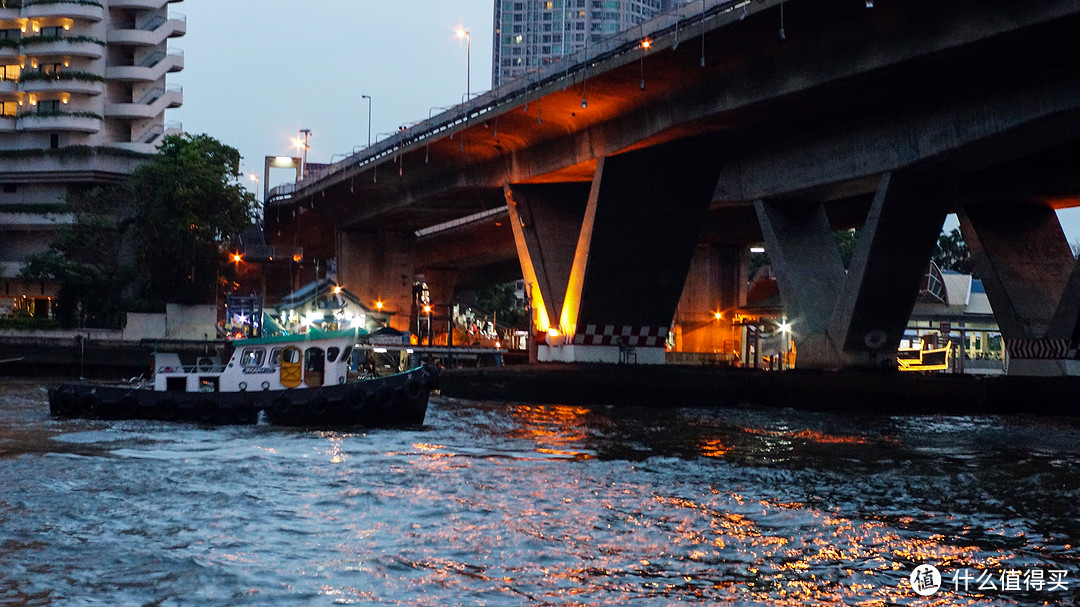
[(568, 69)]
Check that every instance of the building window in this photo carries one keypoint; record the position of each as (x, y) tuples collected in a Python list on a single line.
[(54, 141), (9, 109), (52, 32), (10, 188), (9, 72), (51, 106)]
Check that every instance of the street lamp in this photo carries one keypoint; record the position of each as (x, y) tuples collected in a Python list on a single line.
[(368, 97), (464, 33), (255, 179), (304, 146)]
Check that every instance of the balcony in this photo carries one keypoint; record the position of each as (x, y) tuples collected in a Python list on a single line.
[(152, 33), (138, 4), (75, 46), (150, 70), (7, 124), (9, 48), (9, 86), (11, 11), (74, 122), (62, 82), (53, 9)]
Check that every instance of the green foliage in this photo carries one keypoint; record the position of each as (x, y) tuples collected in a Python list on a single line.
[(157, 238), (846, 241), (503, 301), (952, 253), (188, 203), (87, 259), (28, 323)]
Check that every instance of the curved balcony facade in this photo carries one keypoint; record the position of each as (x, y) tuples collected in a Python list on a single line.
[(8, 86), (73, 85), (174, 27), (61, 48), (7, 124), (59, 122), (9, 52), (71, 10)]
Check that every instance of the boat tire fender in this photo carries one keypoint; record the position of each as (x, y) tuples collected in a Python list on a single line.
[(206, 410), (319, 405), (168, 410), (384, 397), (357, 399), (412, 389)]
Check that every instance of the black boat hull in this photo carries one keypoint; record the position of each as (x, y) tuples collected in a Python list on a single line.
[(394, 400)]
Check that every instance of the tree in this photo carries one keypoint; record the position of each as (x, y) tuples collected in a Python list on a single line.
[(188, 203), (952, 253), (88, 260)]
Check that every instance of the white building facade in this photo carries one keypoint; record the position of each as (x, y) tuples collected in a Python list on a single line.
[(83, 96)]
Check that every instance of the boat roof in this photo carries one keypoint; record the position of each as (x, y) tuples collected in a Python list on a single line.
[(297, 338)]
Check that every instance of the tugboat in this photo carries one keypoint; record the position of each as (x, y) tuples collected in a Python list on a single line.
[(308, 379)]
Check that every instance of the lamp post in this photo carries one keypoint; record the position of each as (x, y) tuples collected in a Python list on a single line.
[(304, 145), (464, 33), (368, 97), (255, 179)]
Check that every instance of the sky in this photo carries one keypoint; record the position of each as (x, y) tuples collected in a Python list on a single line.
[(254, 78), (257, 71)]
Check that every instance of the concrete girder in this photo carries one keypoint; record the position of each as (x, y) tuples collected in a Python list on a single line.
[(754, 91), (960, 139)]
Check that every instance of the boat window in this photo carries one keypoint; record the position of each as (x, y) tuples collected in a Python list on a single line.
[(314, 359), (331, 354), (291, 355), (252, 357), (275, 357)]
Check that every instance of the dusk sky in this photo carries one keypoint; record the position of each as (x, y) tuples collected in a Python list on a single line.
[(257, 72), (254, 78)]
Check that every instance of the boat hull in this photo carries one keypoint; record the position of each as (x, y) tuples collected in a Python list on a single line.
[(394, 400)]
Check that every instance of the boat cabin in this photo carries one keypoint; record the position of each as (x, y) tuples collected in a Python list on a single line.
[(311, 360)]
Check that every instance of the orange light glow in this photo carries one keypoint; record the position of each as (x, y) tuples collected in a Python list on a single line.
[(236, 257), (378, 305), (646, 43)]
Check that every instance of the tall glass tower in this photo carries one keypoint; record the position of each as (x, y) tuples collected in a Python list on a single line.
[(530, 34)]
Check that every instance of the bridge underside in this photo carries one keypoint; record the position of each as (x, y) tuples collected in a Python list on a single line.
[(884, 119)]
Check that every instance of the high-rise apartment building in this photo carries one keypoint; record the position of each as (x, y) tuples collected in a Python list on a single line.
[(83, 96), (530, 34)]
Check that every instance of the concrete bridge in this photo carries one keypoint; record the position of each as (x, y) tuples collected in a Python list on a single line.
[(637, 172)]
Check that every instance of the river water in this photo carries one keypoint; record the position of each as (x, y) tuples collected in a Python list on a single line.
[(511, 504)]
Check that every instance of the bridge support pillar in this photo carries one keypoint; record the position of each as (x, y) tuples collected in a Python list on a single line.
[(858, 318), (715, 284), (378, 267), (1030, 276), (809, 272), (634, 242)]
